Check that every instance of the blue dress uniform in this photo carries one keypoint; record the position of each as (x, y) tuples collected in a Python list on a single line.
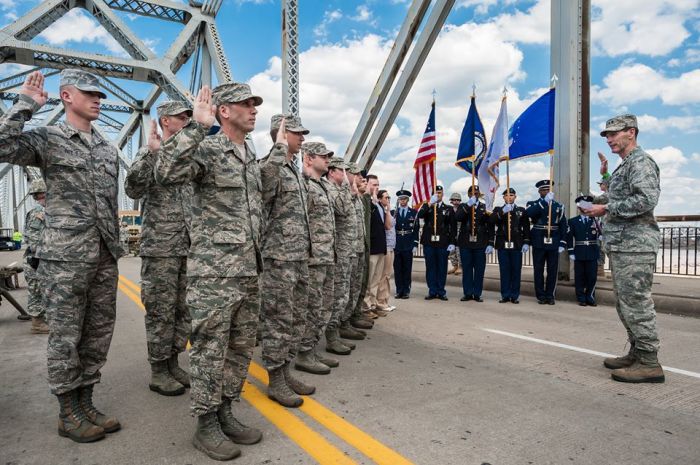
[(544, 251), (406, 240), (584, 249), (472, 247), (510, 249), (435, 242)]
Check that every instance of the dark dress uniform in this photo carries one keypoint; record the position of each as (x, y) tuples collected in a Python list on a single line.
[(582, 242), (510, 249), (435, 242), (472, 247), (546, 252), (406, 240)]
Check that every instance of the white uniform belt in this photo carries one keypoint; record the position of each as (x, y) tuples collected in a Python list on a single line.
[(586, 242)]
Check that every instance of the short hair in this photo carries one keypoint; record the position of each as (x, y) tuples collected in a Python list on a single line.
[(372, 176), (381, 192)]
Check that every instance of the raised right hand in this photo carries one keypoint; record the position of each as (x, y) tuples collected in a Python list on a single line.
[(433, 199), (154, 138), (507, 208), (33, 88), (203, 111)]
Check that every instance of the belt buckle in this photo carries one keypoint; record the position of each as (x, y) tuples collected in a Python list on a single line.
[(435, 238), (508, 245), (472, 238), (548, 240)]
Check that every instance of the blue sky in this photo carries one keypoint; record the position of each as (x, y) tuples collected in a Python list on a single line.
[(645, 60)]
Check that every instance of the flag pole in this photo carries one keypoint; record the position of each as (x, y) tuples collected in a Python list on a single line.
[(551, 175), (508, 191), (473, 174), (435, 175)]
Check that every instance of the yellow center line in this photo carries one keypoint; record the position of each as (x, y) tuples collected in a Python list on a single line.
[(354, 436)]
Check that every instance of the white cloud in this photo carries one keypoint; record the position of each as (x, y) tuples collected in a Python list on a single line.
[(632, 83), (10, 69), (695, 157), (78, 27), (670, 160), (654, 125), (528, 27), (329, 17), (364, 14)]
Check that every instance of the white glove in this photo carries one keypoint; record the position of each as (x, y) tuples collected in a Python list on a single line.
[(525, 248), (549, 197), (507, 208), (489, 250), (561, 249), (433, 199), (415, 250), (450, 248), (471, 202), (572, 257)]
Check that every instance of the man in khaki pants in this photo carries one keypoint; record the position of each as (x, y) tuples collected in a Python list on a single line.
[(383, 291)]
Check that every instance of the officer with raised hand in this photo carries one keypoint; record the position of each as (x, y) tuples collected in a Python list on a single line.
[(438, 239), (406, 243)]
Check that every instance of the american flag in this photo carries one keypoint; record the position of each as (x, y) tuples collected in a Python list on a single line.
[(423, 183)]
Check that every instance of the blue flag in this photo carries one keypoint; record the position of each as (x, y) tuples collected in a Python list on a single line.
[(533, 132), (472, 144)]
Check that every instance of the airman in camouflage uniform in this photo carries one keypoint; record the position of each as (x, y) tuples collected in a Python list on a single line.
[(165, 242), (224, 261), (286, 251), (632, 240), (33, 226), (345, 237), (79, 246), (322, 261)]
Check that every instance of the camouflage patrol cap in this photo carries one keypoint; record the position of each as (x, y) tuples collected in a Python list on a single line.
[(233, 92), (456, 196), (316, 148), (37, 187), (173, 107), (620, 122), (353, 168), (291, 123), (337, 163), (81, 80)]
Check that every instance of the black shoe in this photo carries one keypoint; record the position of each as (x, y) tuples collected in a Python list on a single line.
[(515, 301), (465, 298), (582, 304), (591, 304), (430, 297), (550, 302), (443, 297), (405, 296), (478, 298), (504, 301), (397, 296), (541, 301)]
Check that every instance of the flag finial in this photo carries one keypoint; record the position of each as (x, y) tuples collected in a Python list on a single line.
[(474, 89), (434, 94), (554, 80)]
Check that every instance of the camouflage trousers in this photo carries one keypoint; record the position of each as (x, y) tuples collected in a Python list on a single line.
[(80, 301), (320, 306), (284, 309), (35, 304), (357, 283), (163, 292), (632, 275), (455, 258), (224, 315), (342, 275)]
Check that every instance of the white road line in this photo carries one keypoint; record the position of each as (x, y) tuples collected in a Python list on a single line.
[(580, 349)]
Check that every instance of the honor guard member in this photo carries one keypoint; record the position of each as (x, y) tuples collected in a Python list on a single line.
[(438, 239), (165, 241), (79, 247), (584, 252), (474, 243), (33, 226), (455, 201), (224, 261), (286, 251), (323, 256), (345, 237), (632, 241), (511, 239), (406, 244), (548, 240)]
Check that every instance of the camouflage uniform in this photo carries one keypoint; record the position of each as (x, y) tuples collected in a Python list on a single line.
[(80, 245), (286, 250), (359, 266), (124, 239), (632, 240), (224, 261), (33, 226), (345, 237), (322, 261), (165, 242)]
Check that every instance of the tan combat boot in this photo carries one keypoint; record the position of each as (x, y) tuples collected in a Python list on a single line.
[(458, 271), (453, 270), (306, 361), (334, 345), (211, 440), (39, 326), (621, 362), (178, 373), (346, 331), (72, 422), (328, 361), (234, 429), (279, 391), (163, 382), (109, 424), (645, 370), (295, 384)]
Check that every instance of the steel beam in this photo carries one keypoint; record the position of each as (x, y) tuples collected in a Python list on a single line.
[(168, 11), (290, 57), (118, 30), (216, 50), (403, 86)]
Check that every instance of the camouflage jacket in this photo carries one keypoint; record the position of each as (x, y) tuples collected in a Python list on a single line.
[(82, 180), (633, 192), (361, 232), (284, 194), (345, 220), (321, 221), (165, 211), (226, 224), (33, 226)]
